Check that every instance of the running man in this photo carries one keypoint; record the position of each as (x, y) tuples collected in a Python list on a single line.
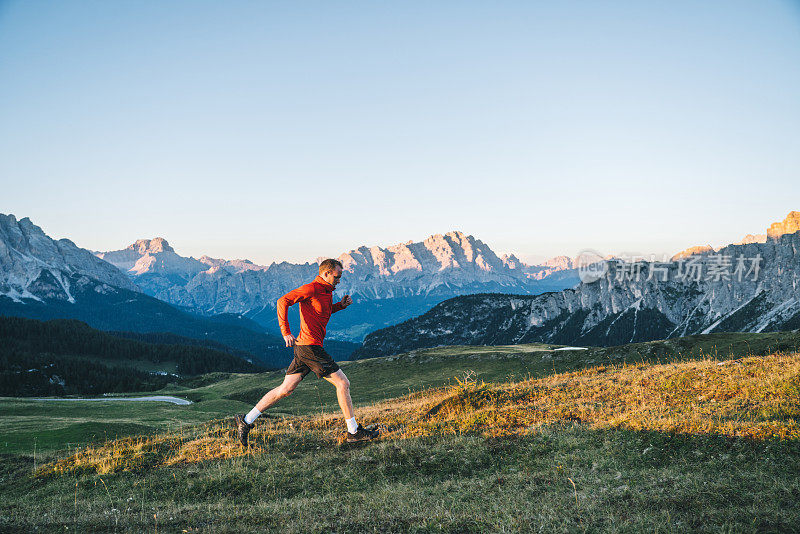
[(316, 306)]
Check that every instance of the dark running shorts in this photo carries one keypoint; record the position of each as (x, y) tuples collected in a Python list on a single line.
[(309, 358)]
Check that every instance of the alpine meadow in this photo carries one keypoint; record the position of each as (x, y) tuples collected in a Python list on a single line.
[(384, 267)]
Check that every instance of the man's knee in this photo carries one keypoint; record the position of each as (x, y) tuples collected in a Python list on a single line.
[(343, 384), (284, 390)]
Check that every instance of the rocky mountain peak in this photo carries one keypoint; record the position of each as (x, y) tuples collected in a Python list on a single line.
[(459, 236), (152, 255), (789, 225), (511, 261), (151, 246), (35, 266), (750, 238), (457, 249), (561, 262), (237, 266), (691, 251)]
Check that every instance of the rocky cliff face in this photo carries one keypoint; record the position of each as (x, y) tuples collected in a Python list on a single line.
[(691, 251), (751, 287), (554, 267), (789, 225), (409, 276), (440, 264), (153, 256), (34, 266)]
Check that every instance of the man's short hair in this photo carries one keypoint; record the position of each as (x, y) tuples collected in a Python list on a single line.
[(329, 265)]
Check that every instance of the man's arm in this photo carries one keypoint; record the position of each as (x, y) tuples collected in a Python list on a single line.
[(345, 302), (292, 297)]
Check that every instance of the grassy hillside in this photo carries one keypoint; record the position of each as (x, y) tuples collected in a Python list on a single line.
[(52, 426), (526, 438), (703, 445)]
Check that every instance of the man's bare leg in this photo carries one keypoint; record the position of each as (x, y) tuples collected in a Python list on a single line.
[(244, 422), (355, 432), (342, 384), (275, 394)]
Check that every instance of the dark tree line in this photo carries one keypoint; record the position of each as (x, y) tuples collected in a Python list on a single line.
[(24, 375), (168, 338), (45, 358)]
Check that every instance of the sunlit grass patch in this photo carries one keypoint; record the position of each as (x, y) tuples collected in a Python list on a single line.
[(112, 456), (215, 443), (749, 397), (752, 397), (201, 443)]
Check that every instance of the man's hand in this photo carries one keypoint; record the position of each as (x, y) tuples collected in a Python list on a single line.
[(346, 301), (289, 339)]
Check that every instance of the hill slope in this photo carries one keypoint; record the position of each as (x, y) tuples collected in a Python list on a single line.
[(58, 425), (756, 397), (688, 445)]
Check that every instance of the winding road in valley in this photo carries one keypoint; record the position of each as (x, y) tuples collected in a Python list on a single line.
[(155, 398)]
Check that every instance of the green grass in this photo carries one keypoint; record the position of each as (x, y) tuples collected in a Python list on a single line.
[(25, 421), (719, 345), (504, 455), (52, 426), (624, 481)]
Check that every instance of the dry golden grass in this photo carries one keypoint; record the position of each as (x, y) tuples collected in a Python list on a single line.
[(754, 397)]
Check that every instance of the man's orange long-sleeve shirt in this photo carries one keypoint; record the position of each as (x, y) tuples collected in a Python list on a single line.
[(316, 307)]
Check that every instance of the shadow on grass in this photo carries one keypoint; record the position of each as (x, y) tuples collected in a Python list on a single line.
[(561, 477)]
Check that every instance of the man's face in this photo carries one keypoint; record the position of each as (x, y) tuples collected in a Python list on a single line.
[(333, 277)]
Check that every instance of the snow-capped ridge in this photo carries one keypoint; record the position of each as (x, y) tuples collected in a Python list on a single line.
[(35, 266)]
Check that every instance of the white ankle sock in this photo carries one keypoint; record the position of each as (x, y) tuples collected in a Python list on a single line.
[(352, 426), (252, 416)]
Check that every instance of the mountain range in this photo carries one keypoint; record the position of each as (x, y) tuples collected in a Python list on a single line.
[(448, 289), (41, 278), (752, 286), (148, 287), (390, 284)]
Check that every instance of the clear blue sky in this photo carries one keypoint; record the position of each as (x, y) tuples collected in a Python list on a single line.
[(291, 130)]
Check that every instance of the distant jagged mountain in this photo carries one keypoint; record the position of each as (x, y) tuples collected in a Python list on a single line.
[(390, 284), (33, 266), (153, 256), (41, 278), (750, 287)]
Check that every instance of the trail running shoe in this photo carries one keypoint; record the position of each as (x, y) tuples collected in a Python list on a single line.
[(242, 428), (362, 434)]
